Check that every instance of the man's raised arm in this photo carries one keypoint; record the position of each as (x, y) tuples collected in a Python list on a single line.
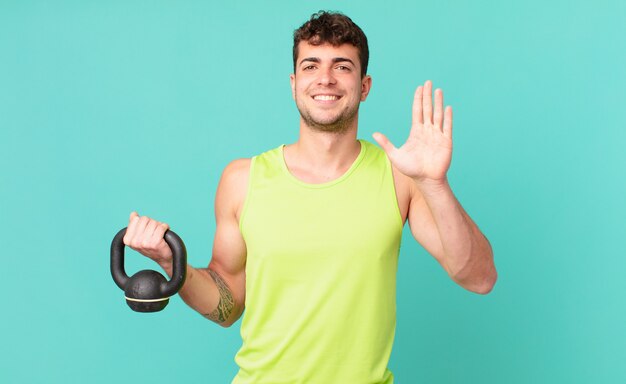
[(438, 221)]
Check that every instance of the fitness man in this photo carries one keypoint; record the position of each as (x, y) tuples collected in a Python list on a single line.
[(308, 234)]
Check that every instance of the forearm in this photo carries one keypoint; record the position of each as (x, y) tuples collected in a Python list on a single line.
[(466, 253), (206, 292)]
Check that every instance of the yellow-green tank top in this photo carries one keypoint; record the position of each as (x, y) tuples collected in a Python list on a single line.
[(320, 274)]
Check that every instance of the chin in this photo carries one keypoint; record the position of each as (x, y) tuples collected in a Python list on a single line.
[(337, 125)]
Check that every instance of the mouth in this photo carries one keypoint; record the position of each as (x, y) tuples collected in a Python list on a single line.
[(326, 97)]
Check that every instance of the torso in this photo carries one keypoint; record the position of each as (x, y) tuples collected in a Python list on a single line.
[(318, 251)]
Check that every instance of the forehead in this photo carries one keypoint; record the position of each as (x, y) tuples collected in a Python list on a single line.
[(327, 51)]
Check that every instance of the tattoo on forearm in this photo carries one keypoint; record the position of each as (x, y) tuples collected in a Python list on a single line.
[(226, 304)]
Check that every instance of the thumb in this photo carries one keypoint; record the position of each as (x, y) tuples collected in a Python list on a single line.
[(384, 143)]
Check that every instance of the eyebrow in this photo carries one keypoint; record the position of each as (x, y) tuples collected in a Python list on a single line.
[(334, 60)]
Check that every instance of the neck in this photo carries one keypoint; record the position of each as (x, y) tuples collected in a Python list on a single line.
[(319, 157)]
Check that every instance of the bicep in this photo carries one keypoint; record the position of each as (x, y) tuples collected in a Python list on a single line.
[(229, 248), (413, 208), (423, 227)]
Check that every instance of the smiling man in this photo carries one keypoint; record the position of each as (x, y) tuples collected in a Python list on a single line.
[(308, 234), (330, 102)]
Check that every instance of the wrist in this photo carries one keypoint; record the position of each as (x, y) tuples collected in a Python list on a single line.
[(431, 186), (165, 259), (167, 267)]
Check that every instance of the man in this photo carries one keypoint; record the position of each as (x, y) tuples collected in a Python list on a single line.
[(308, 234)]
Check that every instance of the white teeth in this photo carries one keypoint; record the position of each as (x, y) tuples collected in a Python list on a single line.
[(325, 97)]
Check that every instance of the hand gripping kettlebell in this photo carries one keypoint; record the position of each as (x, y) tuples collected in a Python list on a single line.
[(147, 290)]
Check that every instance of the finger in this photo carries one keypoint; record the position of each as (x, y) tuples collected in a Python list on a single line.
[(160, 230), (384, 143), (418, 117), (438, 117), (149, 232), (447, 122), (131, 228), (140, 231), (428, 102)]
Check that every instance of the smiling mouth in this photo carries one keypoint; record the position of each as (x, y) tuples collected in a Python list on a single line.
[(326, 97)]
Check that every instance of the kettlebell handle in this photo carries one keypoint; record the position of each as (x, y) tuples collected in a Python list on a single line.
[(179, 263)]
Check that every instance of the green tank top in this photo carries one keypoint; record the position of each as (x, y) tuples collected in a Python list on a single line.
[(320, 274)]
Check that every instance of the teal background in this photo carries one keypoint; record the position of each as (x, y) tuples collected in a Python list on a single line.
[(109, 107)]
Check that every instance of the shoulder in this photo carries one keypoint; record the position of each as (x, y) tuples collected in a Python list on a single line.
[(235, 175), (402, 183), (237, 172), (233, 186), (372, 149), (237, 169)]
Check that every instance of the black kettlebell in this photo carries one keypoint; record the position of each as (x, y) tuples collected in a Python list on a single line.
[(147, 290)]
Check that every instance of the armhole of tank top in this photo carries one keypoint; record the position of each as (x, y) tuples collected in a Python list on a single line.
[(394, 192), (244, 209)]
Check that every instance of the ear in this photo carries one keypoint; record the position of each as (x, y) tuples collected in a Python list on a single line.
[(292, 80), (366, 85)]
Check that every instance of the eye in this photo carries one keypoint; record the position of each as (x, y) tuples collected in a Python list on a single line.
[(343, 68), (308, 68)]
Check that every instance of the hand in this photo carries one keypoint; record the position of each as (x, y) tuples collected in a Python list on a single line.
[(145, 236), (427, 153)]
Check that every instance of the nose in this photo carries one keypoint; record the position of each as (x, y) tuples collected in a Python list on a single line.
[(326, 76)]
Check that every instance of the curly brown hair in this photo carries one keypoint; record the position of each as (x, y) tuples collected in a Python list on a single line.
[(332, 28)]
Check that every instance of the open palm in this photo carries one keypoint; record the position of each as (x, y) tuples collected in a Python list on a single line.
[(427, 153)]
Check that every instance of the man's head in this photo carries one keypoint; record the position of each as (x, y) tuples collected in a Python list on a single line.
[(335, 29), (330, 65)]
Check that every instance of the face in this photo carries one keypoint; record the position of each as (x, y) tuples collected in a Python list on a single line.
[(327, 86)]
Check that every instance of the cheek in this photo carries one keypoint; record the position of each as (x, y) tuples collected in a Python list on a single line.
[(301, 89), (297, 92)]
